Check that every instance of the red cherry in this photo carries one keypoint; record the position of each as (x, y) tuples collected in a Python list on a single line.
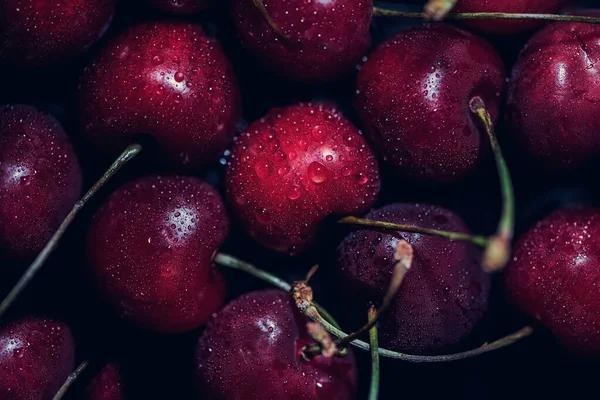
[(554, 96), (505, 27), (150, 250), (413, 98), (106, 385), (554, 277), (182, 6), (322, 39), (444, 294), (40, 180), (167, 80), (36, 356), (252, 348), (293, 168), (38, 33)]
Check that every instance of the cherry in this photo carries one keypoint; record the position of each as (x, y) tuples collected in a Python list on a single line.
[(182, 6), (168, 80), (554, 95), (504, 27), (37, 32), (40, 180), (444, 294), (150, 251), (106, 385), (554, 277), (36, 356), (293, 168), (252, 349), (309, 41)]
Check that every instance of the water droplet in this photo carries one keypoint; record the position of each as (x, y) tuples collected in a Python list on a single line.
[(292, 155), (179, 77), (303, 145), (329, 157), (317, 172), (294, 192), (263, 216), (156, 60), (361, 179), (318, 133), (263, 169), (283, 170), (346, 171)]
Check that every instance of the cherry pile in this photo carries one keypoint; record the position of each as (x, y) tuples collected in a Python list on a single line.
[(299, 199)]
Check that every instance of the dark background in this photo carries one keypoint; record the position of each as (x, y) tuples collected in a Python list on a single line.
[(160, 367)]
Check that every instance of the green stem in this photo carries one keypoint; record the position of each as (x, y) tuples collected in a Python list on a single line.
[(35, 266), (70, 379), (373, 340)]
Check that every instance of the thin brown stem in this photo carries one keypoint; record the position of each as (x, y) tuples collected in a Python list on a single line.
[(70, 379), (260, 5), (374, 342)]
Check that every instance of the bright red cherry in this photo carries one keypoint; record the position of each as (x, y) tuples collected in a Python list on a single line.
[(444, 294), (554, 95), (319, 41), (291, 169), (106, 385), (40, 180), (252, 349), (182, 6), (150, 251), (38, 32), (36, 356), (168, 80), (413, 98), (555, 276)]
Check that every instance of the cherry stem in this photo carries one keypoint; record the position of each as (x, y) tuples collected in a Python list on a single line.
[(478, 240), (374, 342), (497, 251), (268, 19), (35, 266), (381, 12), (314, 312), (70, 379)]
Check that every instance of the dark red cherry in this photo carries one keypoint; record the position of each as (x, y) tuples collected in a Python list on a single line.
[(444, 294), (37, 32), (413, 98), (554, 95), (36, 356), (252, 349), (555, 275), (182, 6), (291, 169), (504, 27), (168, 80), (322, 39), (150, 251), (40, 180), (106, 385)]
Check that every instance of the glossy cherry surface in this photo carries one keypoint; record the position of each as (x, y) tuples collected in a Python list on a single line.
[(555, 275), (554, 95), (444, 294), (150, 251), (39, 32), (40, 180), (413, 95), (182, 6), (36, 356), (106, 385), (291, 169), (323, 39), (168, 80), (251, 350)]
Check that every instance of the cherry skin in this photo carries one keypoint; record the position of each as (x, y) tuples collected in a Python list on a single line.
[(554, 95), (291, 169), (106, 385), (444, 294), (252, 348), (505, 27), (168, 80), (413, 98), (37, 33), (150, 251), (40, 180), (322, 40), (554, 277), (36, 356), (182, 6)]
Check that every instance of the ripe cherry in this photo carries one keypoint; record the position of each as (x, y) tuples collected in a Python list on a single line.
[(36, 356), (554, 95), (252, 349), (313, 41), (444, 294), (182, 6), (38, 33), (168, 80), (40, 180), (291, 169), (554, 277), (150, 251), (106, 385), (413, 98)]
